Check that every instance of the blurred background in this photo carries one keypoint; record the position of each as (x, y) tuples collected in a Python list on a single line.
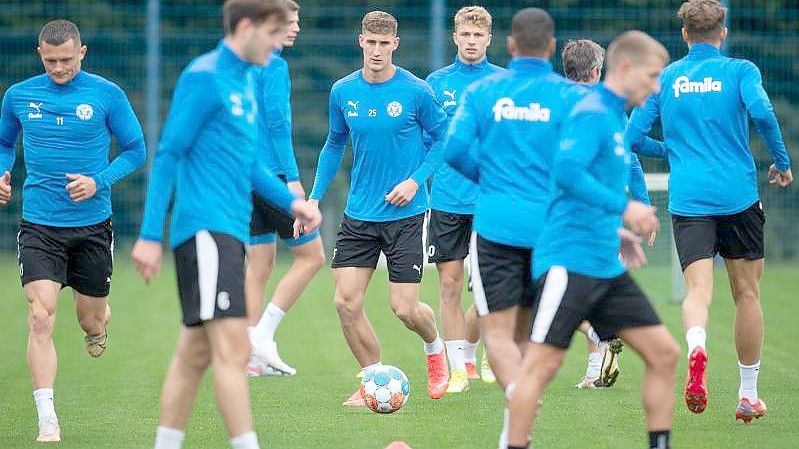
[(143, 45)]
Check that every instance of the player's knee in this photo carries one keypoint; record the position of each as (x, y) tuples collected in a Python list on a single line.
[(347, 307), (41, 319), (405, 312), (315, 260), (747, 296), (197, 361), (450, 290), (666, 357), (260, 268)]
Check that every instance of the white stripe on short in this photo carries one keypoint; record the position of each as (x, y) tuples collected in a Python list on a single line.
[(557, 279), (207, 273), (480, 301)]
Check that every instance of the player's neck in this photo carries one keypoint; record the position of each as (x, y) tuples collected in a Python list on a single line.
[(479, 61), (614, 85), (379, 77), (716, 44)]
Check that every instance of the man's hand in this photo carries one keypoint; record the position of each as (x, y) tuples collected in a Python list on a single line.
[(403, 193), (81, 187), (147, 258), (632, 255), (296, 188), (651, 240), (308, 215), (5, 189), (781, 178), (641, 218)]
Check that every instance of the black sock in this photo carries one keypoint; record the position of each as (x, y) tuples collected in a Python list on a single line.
[(660, 439), (519, 447)]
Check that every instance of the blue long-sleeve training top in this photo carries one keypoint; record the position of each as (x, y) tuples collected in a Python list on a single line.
[(273, 95), (386, 122), (703, 106), (67, 129), (590, 174), (451, 191), (515, 117), (208, 154)]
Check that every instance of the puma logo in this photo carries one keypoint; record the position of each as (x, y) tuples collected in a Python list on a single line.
[(418, 269)]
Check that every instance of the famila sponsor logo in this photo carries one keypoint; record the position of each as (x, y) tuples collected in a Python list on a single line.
[(683, 85), (506, 109)]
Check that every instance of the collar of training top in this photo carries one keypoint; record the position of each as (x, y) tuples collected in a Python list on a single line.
[(530, 64), (703, 50)]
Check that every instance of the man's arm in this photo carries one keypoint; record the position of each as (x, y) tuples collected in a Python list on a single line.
[(277, 100), (333, 151), (127, 130), (9, 131), (433, 121), (640, 124), (192, 106), (638, 190), (762, 112), (462, 133)]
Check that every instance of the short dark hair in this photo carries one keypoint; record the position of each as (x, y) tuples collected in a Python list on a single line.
[(703, 19), (580, 57), (532, 29), (258, 11), (58, 32)]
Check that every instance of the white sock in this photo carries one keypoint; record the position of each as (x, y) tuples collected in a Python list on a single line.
[(247, 440), (374, 365), (251, 334), (503, 436), (269, 322), (434, 347), (168, 438), (594, 365), (45, 404), (748, 388), (455, 354), (470, 352), (695, 336), (592, 335)]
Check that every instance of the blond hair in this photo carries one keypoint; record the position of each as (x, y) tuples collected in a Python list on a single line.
[(379, 22), (473, 15), (703, 20), (636, 46)]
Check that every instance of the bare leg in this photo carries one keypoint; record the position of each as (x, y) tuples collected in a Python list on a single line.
[(699, 295), (308, 260), (93, 313), (417, 316), (230, 350), (351, 286), (260, 262), (499, 336), (472, 330), (541, 363), (450, 276), (745, 283), (191, 359), (660, 353), (42, 361)]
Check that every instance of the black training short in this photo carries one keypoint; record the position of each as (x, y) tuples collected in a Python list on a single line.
[(501, 276), (565, 299), (448, 236), (359, 243), (268, 218), (80, 257), (210, 270), (736, 236)]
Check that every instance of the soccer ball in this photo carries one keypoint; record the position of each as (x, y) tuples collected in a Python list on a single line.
[(385, 388)]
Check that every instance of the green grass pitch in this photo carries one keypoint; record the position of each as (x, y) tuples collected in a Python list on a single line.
[(112, 402)]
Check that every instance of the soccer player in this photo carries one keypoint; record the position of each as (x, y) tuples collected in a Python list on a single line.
[(385, 110), (208, 153), (583, 60), (578, 250), (273, 94), (65, 238), (453, 196), (713, 197)]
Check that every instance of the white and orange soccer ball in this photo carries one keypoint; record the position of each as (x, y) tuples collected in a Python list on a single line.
[(385, 388)]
